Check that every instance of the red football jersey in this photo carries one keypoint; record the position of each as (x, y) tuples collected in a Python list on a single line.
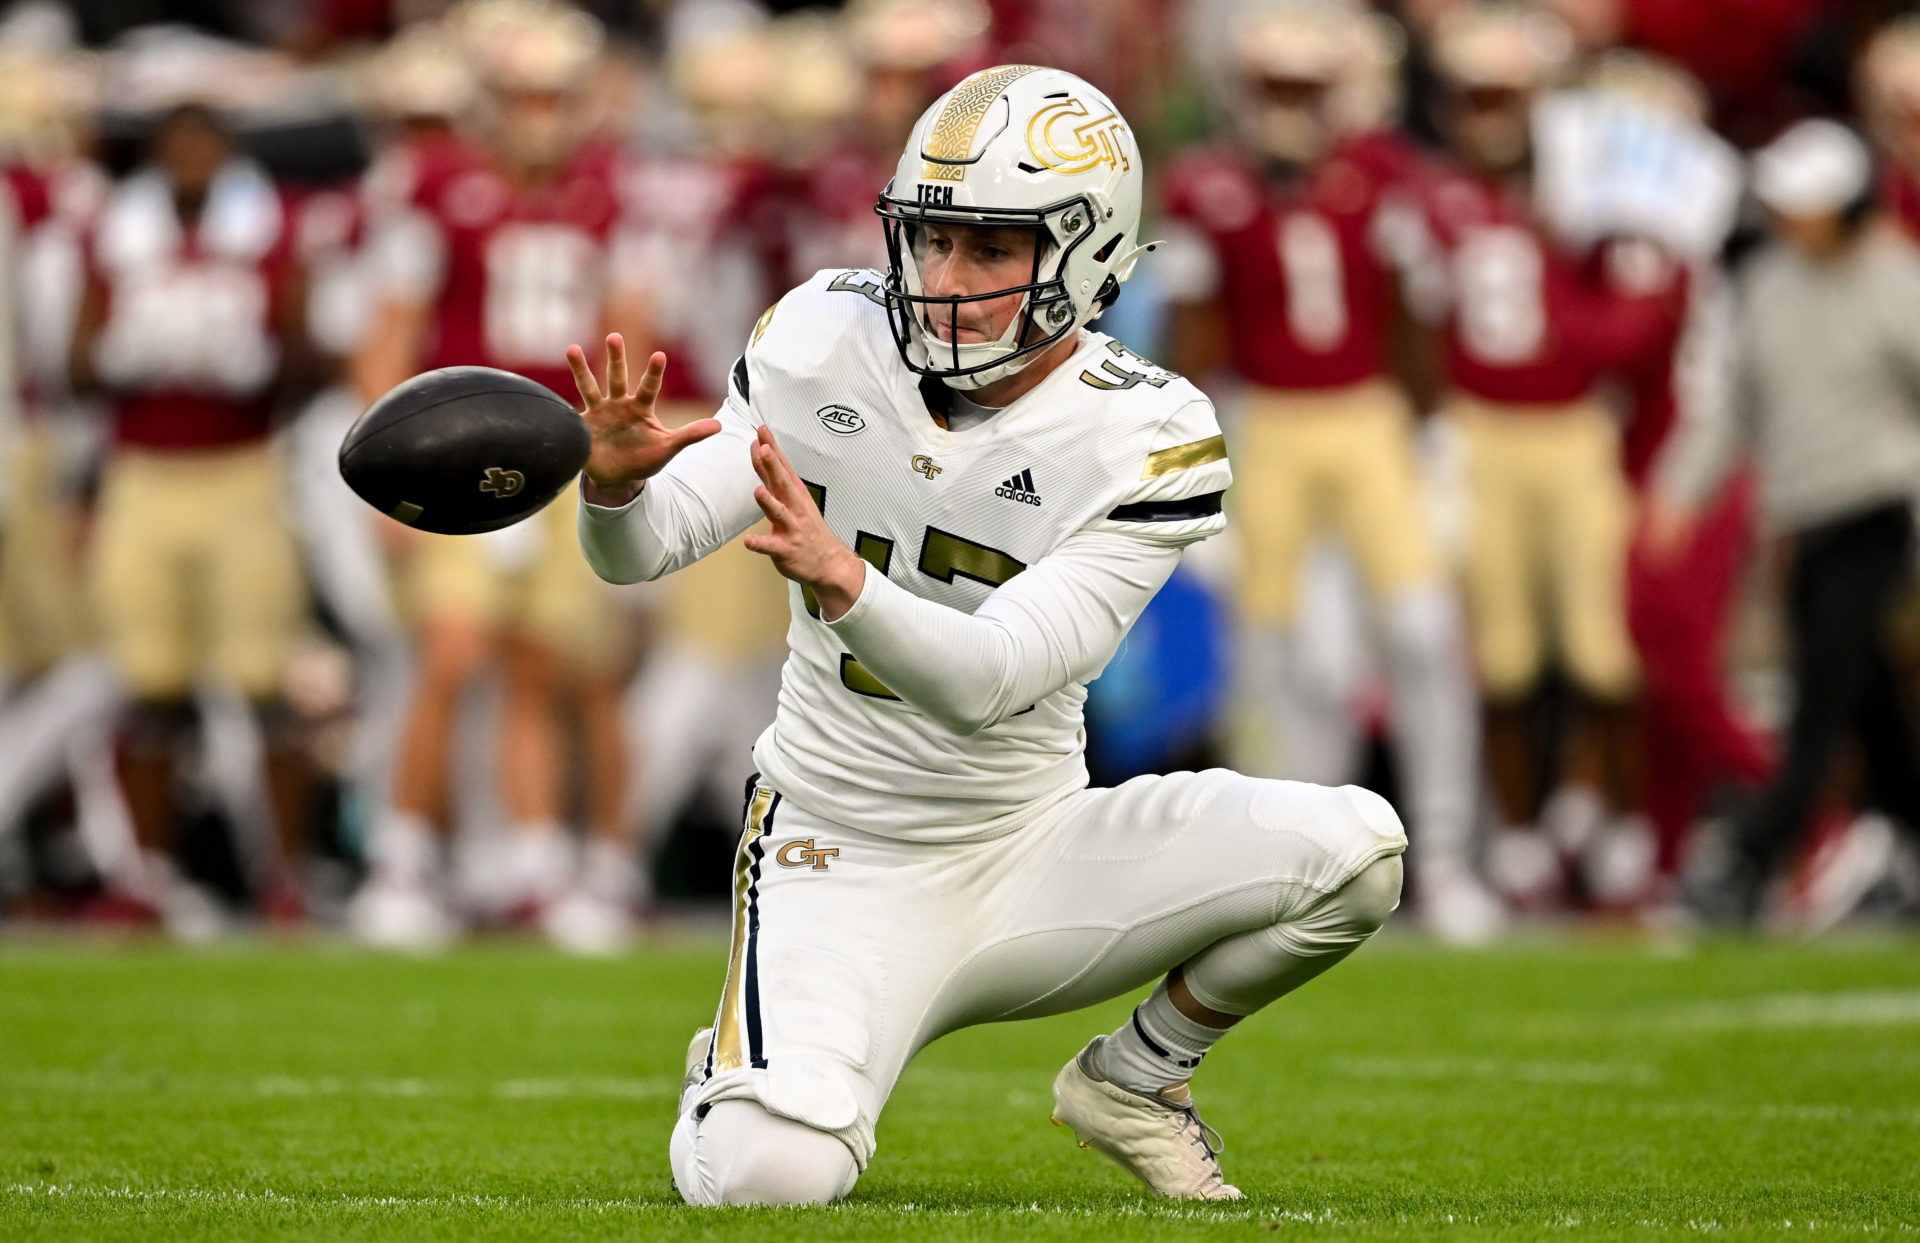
[(1900, 195), (1672, 344), (830, 221), (515, 272), (48, 209), (1526, 321), (701, 243), (1304, 288), (191, 343)]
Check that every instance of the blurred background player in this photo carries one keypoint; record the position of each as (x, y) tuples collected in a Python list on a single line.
[(191, 325), (1528, 333), (498, 258), (1681, 600), (846, 108), (58, 696), (1286, 281), (701, 253), (410, 92), (1888, 85)]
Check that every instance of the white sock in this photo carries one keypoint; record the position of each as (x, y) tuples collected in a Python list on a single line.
[(404, 849), (1156, 1048), (610, 871), (539, 860)]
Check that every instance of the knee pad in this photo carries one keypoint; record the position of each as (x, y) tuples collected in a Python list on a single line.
[(1375, 824), (735, 1152), (1364, 902)]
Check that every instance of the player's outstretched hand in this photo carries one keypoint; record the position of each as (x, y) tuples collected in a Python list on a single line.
[(800, 544), (630, 443)]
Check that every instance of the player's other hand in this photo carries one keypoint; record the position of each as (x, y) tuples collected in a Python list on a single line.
[(800, 545), (630, 443)]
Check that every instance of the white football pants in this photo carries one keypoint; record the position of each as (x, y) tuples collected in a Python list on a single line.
[(851, 951)]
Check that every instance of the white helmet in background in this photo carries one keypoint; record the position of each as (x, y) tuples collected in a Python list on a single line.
[(1309, 71), (1014, 146)]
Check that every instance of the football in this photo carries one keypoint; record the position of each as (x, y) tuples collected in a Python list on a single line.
[(464, 450)]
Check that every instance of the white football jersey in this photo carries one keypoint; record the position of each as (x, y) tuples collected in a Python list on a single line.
[(1107, 443)]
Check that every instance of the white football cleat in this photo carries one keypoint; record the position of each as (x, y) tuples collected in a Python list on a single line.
[(395, 915), (1160, 1140), (586, 924), (1457, 909)]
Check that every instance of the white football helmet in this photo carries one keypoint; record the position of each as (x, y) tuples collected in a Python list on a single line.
[(1014, 145)]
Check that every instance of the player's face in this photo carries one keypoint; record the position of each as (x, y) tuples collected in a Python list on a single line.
[(1819, 234), (536, 127), (961, 259), (1290, 118), (190, 146), (1489, 126)]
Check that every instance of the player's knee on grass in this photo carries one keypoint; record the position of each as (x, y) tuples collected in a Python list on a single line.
[(738, 1153)]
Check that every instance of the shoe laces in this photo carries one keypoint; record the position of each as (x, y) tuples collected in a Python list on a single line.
[(1201, 1135)]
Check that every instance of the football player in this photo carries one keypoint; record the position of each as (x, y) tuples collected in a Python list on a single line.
[(48, 192), (191, 323), (973, 495), (498, 258), (1680, 600), (1528, 333), (1889, 89), (1282, 255)]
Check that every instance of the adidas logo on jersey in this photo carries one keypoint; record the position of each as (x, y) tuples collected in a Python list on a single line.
[(1019, 488)]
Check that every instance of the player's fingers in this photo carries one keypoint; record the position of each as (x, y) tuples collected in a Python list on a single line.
[(770, 506), (693, 433), (652, 377), (763, 466), (617, 366), (583, 375), (780, 473)]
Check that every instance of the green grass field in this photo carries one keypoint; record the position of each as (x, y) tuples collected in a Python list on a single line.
[(1564, 1091)]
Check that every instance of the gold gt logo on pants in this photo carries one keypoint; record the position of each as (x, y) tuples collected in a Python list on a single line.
[(502, 482), (801, 853)]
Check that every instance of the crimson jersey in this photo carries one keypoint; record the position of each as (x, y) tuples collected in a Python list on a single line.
[(1901, 196), (830, 222), (514, 273), (1674, 350), (47, 211), (700, 243), (1525, 321), (1297, 268), (191, 343)]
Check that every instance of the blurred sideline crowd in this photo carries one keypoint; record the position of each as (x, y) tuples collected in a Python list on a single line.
[(1569, 353)]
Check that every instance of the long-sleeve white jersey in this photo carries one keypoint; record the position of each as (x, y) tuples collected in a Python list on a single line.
[(1006, 561)]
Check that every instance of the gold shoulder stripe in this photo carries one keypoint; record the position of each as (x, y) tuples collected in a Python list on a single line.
[(951, 138), (1185, 457), (766, 317)]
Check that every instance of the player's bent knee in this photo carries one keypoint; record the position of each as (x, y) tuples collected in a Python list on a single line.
[(1367, 899), (1375, 824), (741, 1154)]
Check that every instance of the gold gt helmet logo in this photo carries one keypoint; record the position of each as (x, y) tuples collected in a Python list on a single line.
[(802, 853), (1068, 138)]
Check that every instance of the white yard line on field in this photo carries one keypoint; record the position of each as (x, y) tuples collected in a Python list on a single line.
[(1482, 1069), (134, 1084)]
